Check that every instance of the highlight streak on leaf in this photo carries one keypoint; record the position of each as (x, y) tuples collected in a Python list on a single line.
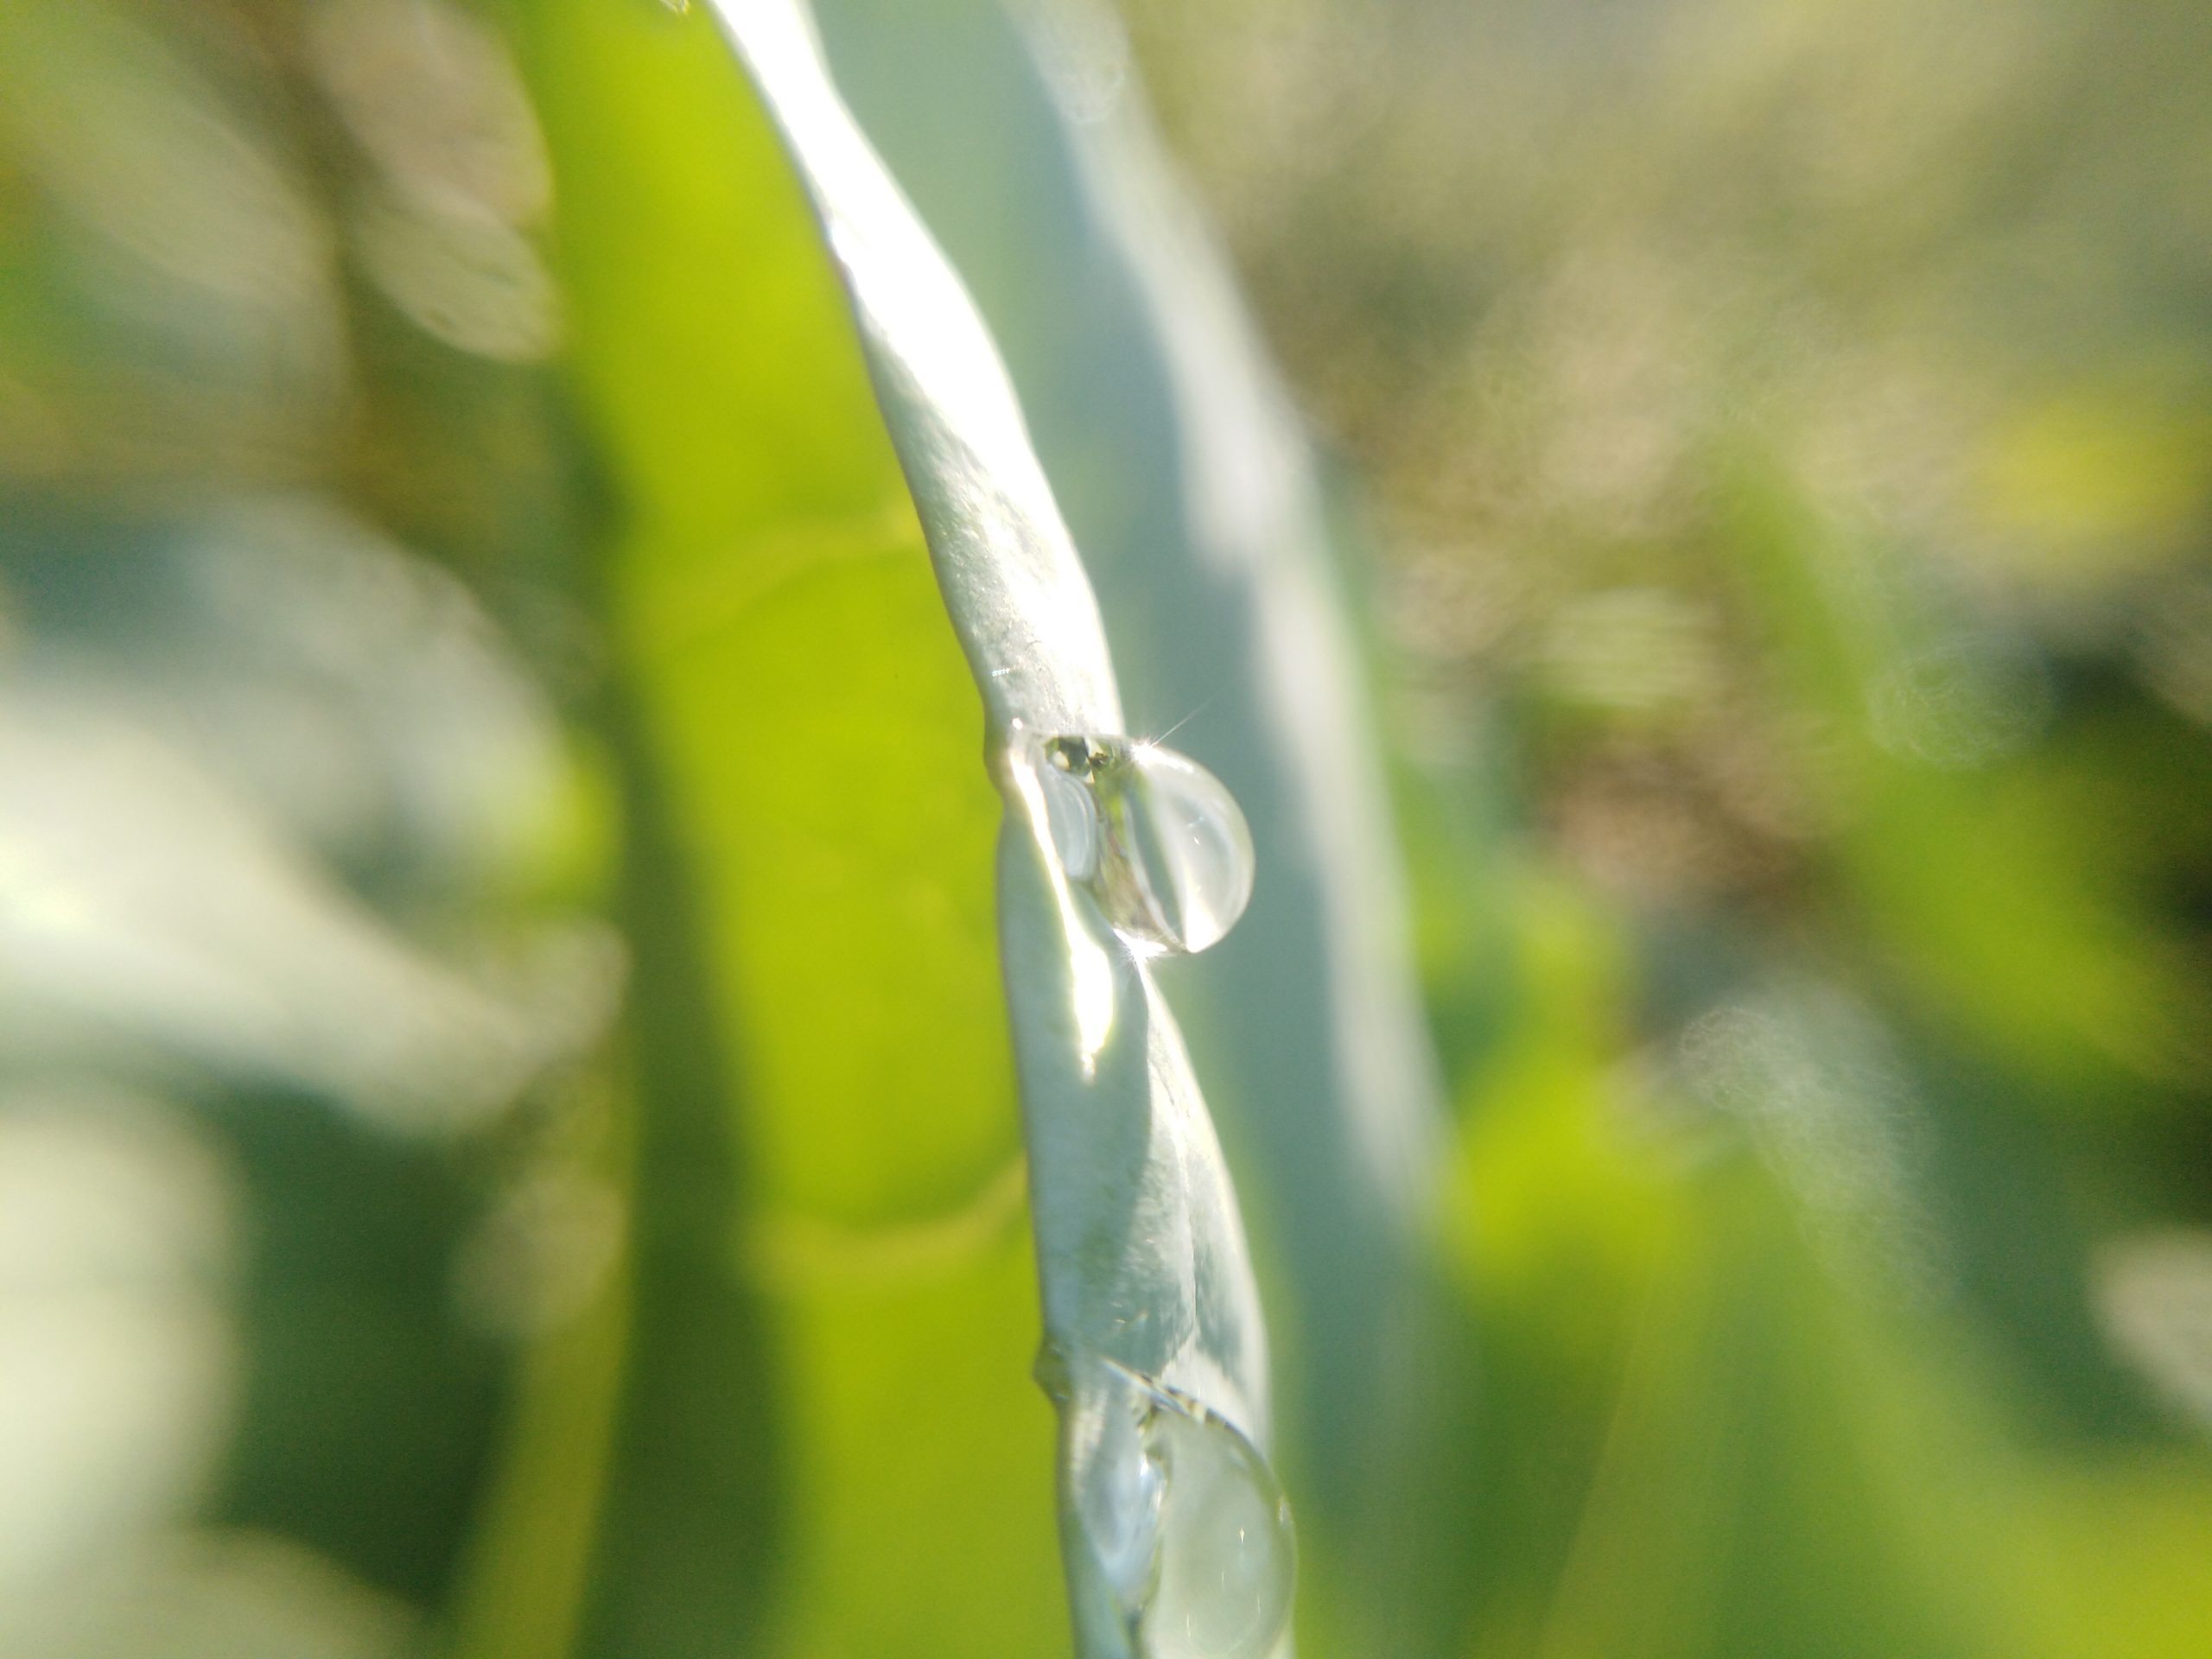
[(1142, 1257), (1017, 593)]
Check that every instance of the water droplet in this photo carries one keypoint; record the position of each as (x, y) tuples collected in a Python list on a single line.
[(1151, 835), (1184, 1516)]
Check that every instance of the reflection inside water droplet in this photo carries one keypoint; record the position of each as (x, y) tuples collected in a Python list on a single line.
[(1183, 1515), (1154, 837)]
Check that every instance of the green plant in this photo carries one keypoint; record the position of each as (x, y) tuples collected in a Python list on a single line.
[(582, 1008), (726, 1300)]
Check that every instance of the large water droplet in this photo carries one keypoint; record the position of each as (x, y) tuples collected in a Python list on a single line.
[(1153, 836), (1183, 1517)]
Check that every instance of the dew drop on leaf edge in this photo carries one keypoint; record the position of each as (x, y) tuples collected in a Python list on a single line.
[(1185, 1518), (1156, 840)]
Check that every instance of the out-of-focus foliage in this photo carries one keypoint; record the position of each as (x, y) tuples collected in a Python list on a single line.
[(499, 865), (1790, 431), (507, 1140), (414, 1295)]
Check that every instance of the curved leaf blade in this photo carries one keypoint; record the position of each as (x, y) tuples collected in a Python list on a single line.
[(814, 1413), (1141, 1257), (1020, 136)]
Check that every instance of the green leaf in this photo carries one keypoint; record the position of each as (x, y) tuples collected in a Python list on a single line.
[(1173, 453), (817, 1363), (1141, 1251), (822, 1154)]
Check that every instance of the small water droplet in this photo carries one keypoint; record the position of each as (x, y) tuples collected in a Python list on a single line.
[(1185, 1518), (1151, 835)]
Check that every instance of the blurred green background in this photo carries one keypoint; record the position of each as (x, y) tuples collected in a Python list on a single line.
[(506, 1139)]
